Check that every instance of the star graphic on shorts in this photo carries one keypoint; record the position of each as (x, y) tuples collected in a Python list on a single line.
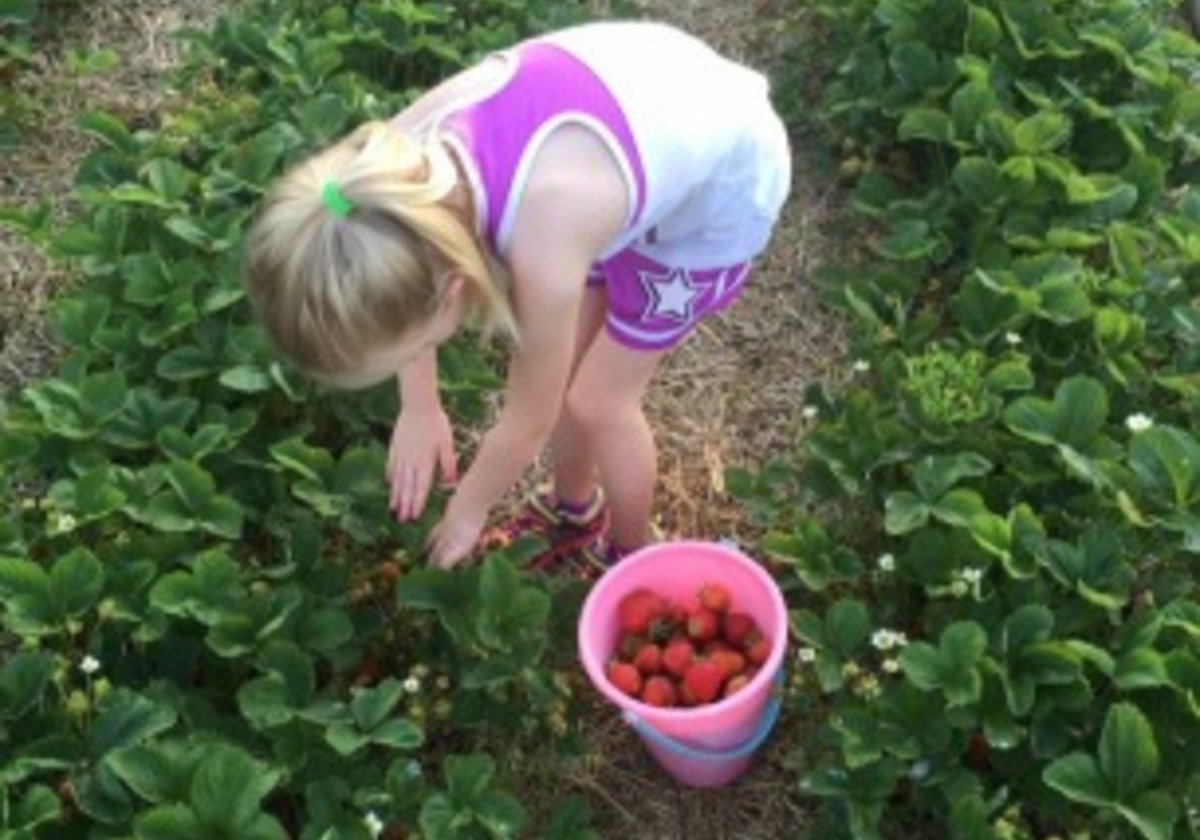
[(670, 295)]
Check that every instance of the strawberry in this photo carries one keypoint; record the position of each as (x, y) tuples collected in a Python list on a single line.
[(714, 596), (659, 691), (977, 751), (736, 626), (735, 684), (757, 648), (677, 656), (730, 662), (702, 624), (625, 677), (704, 680), (716, 646), (648, 659), (638, 609), (628, 645)]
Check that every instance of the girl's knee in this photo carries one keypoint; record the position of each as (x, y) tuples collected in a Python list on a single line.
[(598, 413)]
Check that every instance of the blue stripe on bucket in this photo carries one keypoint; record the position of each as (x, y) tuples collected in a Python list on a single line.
[(765, 725)]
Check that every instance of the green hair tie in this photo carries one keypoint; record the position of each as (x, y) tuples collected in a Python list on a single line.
[(335, 202)]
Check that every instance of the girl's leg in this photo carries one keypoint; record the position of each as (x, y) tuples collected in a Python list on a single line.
[(603, 416), (571, 452)]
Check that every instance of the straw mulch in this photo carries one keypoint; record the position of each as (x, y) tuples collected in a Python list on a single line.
[(728, 397)]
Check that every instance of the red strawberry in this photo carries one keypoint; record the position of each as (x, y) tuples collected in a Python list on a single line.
[(730, 662), (649, 658), (735, 684), (625, 677), (704, 680), (702, 624), (736, 626), (678, 656), (659, 691), (977, 751), (714, 596), (637, 609), (757, 648)]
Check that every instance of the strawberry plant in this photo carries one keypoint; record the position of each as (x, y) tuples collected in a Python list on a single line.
[(1001, 619), (211, 625)]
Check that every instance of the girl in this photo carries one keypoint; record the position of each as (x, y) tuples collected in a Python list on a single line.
[(592, 194)]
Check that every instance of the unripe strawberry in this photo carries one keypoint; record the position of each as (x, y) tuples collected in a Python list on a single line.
[(678, 656), (659, 691), (625, 677), (735, 684), (628, 645), (736, 626), (714, 596), (757, 649), (704, 681), (648, 659), (703, 624), (730, 662)]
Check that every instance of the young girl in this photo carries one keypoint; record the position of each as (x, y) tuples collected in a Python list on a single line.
[(592, 194)]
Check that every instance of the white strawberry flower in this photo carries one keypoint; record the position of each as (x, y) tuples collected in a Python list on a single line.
[(861, 366), (809, 412), (806, 654), (373, 823), (886, 563), (1012, 339), (411, 685), (1139, 422), (890, 666), (89, 665)]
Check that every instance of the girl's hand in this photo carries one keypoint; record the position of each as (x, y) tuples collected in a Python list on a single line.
[(455, 537), (422, 444)]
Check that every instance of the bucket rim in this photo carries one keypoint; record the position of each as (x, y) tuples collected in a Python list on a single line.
[(647, 554)]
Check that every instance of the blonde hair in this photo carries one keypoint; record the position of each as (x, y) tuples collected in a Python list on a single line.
[(329, 288)]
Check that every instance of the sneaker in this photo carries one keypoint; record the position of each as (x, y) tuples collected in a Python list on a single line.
[(565, 530), (593, 559)]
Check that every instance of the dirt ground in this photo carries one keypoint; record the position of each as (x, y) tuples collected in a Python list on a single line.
[(728, 397)]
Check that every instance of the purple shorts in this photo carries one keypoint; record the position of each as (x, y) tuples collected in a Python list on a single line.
[(652, 306)]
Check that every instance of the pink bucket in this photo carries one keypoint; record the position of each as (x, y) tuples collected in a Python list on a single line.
[(704, 746)]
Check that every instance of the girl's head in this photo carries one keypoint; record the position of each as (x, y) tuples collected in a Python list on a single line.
[(357, 252)]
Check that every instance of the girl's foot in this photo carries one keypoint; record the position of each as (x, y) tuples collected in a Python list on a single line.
[(566, 528)]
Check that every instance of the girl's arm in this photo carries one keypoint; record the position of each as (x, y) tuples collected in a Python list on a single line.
[(573, 206), (422, 439)]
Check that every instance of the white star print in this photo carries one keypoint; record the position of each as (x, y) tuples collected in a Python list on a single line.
[(670, 295)]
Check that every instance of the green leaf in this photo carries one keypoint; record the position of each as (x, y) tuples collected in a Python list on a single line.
[(76, 581), (1153, 814), (158, 773), (904, 512), (399, 733), (1077, 776), (909, 240), (1128, 752), (935, 474), (921, 663), (1043, 132), (169, 822), (1166, 463), (983, 31), (980, 180), (371, 705), (847, 626), (108, 128), (127, 719), (23, 680), (501, 814), (1073, 418), (931, 124), (228, 788), (469, 776)]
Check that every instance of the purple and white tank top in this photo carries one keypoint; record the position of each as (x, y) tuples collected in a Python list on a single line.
[(704, 157)]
